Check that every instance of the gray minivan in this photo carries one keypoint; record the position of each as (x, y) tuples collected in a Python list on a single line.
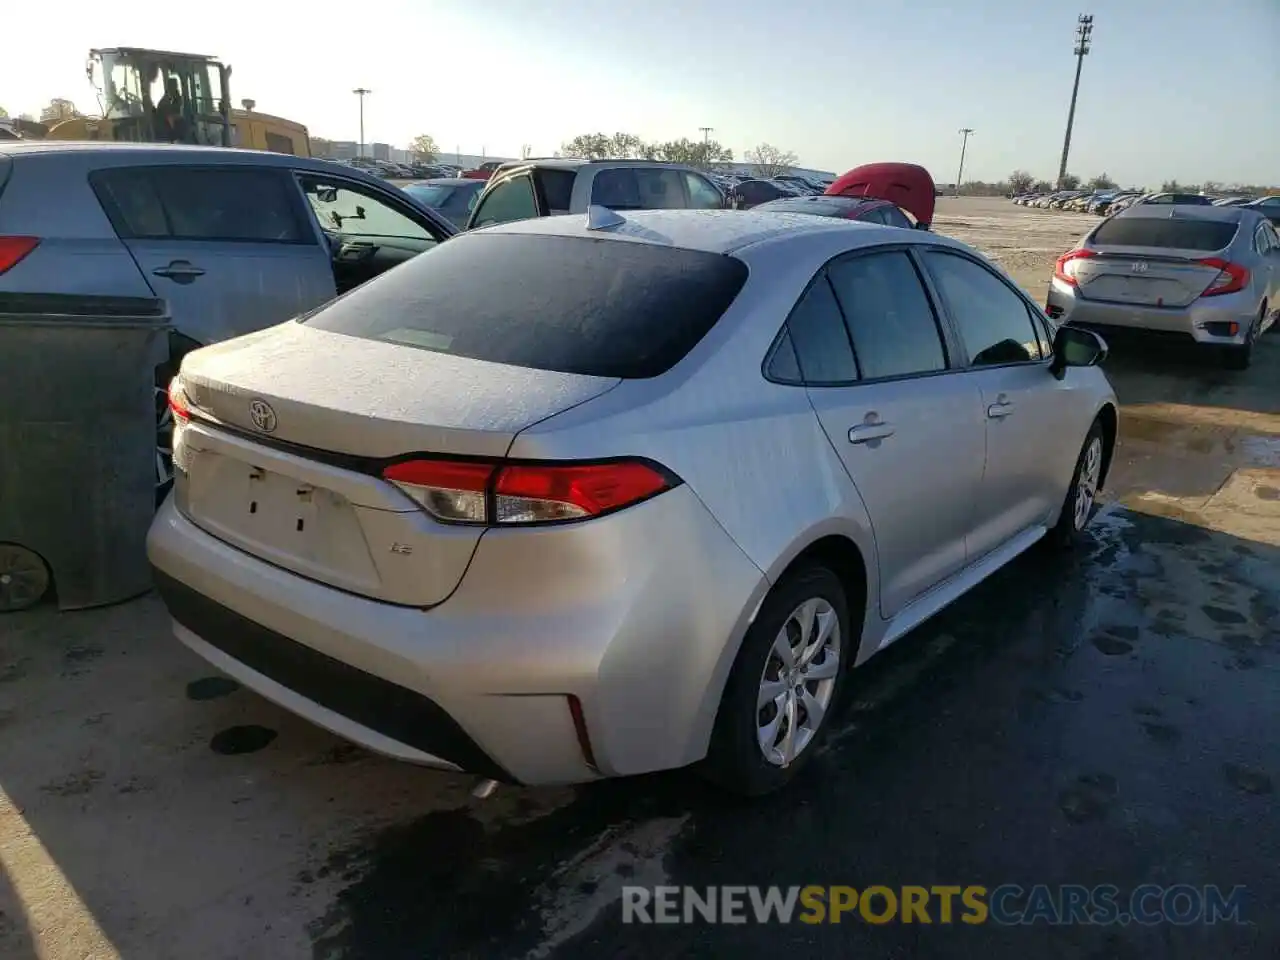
[(233, 240)]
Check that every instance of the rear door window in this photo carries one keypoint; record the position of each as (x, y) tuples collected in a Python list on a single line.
[(1175, 234), (818, 334), (237, 204), (586, 305), (702, 195), (891, 321), (510, 200)]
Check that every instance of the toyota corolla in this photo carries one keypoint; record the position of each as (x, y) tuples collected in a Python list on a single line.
[(580, 497)]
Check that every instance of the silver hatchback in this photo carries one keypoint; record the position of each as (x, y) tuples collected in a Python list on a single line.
[(639, 505), (1204, 272)]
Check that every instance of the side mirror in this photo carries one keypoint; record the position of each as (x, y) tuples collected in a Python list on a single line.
[(1076, 347), (921, 225)]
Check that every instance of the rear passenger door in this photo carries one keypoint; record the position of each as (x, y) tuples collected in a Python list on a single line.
[(908, 429), (230, 248), (1030, 446)]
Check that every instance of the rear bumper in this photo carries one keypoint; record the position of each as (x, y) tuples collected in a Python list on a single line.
[(640, 623), (1205, 320)]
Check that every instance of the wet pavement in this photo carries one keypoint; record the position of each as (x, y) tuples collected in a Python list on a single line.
[(1107, 718), (1103, 717)]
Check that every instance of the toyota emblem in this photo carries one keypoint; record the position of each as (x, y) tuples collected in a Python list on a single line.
[(263, 417)]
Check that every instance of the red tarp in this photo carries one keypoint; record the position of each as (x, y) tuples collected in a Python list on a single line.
[(906, 184)]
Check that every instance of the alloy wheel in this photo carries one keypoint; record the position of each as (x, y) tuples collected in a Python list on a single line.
[(1087, 485), (798, 681)]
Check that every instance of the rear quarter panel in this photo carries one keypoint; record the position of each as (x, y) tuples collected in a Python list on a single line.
[(48, 196)]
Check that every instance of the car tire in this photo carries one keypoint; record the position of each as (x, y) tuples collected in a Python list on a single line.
[(1082, 496), (749, 717), (1239, 358), (24, 578)]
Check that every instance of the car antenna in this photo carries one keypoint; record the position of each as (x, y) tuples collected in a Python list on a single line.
[(602, 218)]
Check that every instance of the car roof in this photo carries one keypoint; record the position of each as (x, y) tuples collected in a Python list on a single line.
[(445, 182), (177, 152), (713, 231)]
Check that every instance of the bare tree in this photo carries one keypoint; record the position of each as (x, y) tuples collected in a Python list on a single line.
[(1021, 182), (1102, 182), (1068, 181), (769, 161)]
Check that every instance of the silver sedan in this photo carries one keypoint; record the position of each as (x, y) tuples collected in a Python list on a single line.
[(580, 497), (1202, 272)]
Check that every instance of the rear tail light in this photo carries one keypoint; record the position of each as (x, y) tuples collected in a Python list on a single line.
[(13, 249), (179, 406), (1231, 277), (1065, 268), (458, 491)]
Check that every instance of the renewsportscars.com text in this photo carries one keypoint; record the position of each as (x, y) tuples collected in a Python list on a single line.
[(1008, 904)]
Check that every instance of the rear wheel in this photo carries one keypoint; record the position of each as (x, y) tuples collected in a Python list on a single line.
[(785, 683), (1082, 495), (24, 578), (1239, 358)]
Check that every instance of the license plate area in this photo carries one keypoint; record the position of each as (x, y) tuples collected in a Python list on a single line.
[(312, 530)]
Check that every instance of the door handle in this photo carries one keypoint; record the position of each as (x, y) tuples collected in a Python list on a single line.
[(1000, 410), (179, 271), (868, 432)]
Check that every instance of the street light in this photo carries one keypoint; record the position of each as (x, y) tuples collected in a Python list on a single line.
[(361, 92), (964, 132)]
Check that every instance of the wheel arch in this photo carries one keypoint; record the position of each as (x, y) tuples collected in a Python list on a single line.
[(1109, 419)]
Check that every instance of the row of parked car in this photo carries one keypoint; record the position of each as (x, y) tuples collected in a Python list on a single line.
[(1106, 202), (390, 170)]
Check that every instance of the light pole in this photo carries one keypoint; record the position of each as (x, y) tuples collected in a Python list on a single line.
[(964, 132), (361, 92), (1084, 34), (706, 146)]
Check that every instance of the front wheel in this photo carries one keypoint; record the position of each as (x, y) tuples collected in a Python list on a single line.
[(784, 686), (1082, 495)]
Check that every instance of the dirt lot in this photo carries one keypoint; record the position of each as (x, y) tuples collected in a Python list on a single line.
[(1105, 719)]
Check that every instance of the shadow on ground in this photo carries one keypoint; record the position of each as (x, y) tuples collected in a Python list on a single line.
[(1146, 369)]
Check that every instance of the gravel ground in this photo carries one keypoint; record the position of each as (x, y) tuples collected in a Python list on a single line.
[(1107, 719)]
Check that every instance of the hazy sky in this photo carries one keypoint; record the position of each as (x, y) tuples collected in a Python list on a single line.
[(1173, 88)]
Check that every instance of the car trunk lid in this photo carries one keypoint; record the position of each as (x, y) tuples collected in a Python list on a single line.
[(291, 426), (1144, 276)]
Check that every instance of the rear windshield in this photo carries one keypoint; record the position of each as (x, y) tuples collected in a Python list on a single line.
[(600, 307), (1159, 232)]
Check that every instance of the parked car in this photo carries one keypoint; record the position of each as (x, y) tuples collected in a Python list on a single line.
[(846, 208), (540, 188), (1199, 271), (1124, 203), (908, 185), (452, 197), (1182, 199), (1105, 205), (752, 193), (566, 587), (1233, 201), (1269, 207), (232, 240), (484, 171)]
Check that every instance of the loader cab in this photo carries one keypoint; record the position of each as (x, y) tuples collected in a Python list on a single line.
[(156, 96)]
